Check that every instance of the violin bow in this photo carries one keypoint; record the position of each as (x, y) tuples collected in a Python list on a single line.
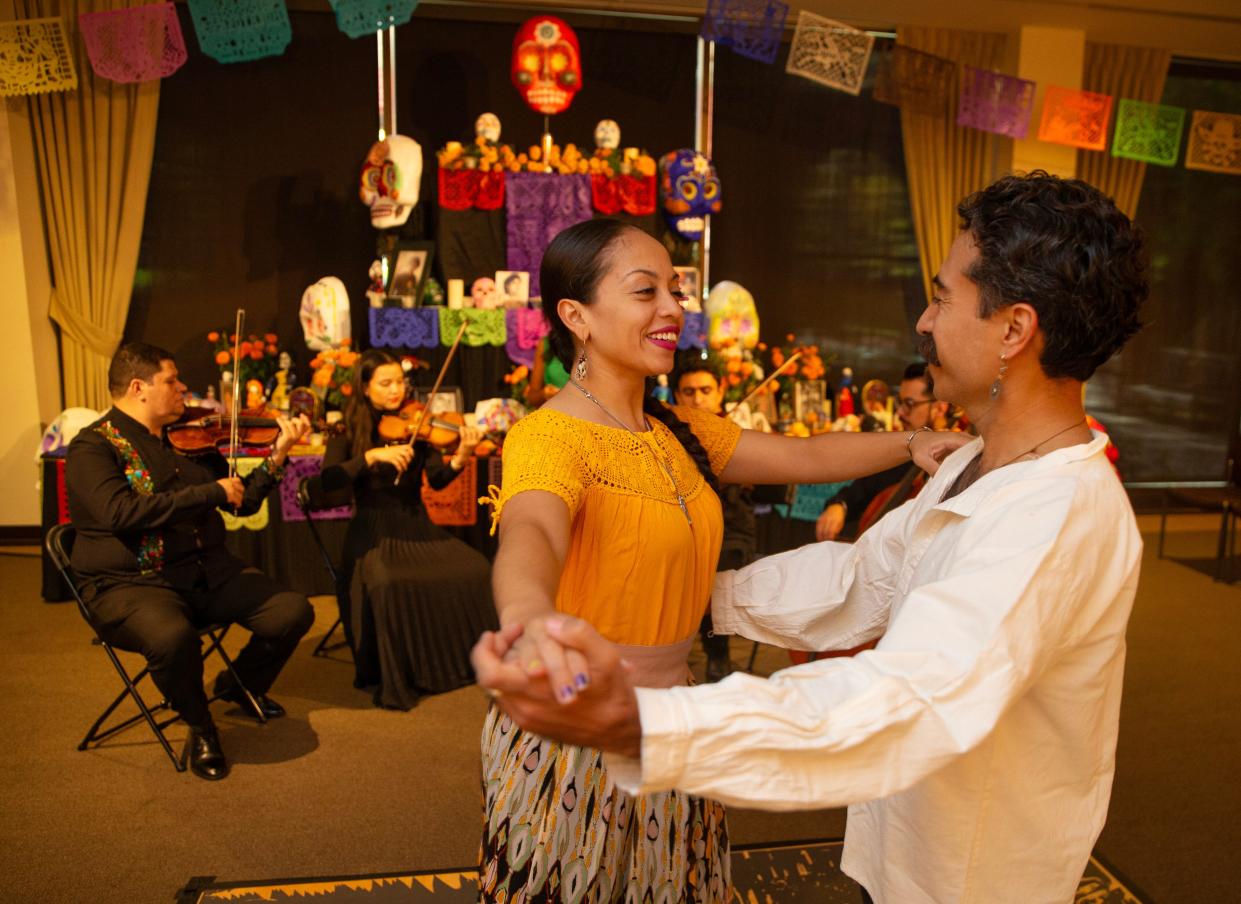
[(422, 415), (233, 434), (759, 388)]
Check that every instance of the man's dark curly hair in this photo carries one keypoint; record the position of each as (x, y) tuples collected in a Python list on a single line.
[(1064, 248)]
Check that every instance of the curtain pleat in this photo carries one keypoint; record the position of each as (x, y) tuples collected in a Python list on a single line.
[(94, 148), (945, 162), (1137, 73)]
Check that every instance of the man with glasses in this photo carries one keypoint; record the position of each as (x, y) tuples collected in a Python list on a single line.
[(917, 407)]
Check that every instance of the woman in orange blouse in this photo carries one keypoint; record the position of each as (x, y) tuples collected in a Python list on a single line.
[(609, 513)]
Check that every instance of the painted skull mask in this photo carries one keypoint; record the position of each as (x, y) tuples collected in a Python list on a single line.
[(547, 64), (607, 135), (732, 316), (390, 177), (483, 291), (487, 126), (691, 192)]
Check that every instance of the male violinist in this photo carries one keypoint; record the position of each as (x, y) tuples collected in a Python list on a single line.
[(150, 549)]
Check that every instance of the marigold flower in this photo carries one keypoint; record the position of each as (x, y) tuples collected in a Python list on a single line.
[(271, 338), (213, 336), (272, 349), (346, 342), (222, 358), (256, 353), (346, 389)]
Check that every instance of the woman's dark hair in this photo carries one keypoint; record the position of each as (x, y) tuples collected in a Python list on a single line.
[(1065, 249), (572, 266), (361, 418)]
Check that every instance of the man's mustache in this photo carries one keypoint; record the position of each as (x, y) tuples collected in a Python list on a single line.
[(927, 349)]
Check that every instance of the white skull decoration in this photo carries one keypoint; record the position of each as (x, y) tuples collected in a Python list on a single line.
[(732, 315), (390, 180), (607, 135), (325, 314), (488, 126)]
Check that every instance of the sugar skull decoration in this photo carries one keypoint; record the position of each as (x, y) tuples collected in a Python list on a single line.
[(487, 127), (731, 316), (607, 135), (390, 178), (547, 64), (325, 314), (483, 291), (691, 192)]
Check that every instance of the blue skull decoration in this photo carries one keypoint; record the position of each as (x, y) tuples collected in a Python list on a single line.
[(691, 192)]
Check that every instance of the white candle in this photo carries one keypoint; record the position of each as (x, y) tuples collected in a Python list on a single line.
[(456, 293)]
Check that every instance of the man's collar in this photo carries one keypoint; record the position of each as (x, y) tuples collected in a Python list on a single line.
[(965, 502), (123, 420)]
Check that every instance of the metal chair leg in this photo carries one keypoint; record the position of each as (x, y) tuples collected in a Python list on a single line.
[(228, 664), (322, 647)]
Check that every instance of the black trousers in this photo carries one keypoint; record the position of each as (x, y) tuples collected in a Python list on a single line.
[(162, 624)]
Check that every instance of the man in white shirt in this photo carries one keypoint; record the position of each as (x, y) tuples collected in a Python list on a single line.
[(976, 743)]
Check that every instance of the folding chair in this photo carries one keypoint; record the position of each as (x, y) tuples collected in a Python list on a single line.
[(59, 545), (310, 498)]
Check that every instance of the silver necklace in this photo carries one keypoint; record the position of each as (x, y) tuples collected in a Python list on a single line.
[(659, 461)]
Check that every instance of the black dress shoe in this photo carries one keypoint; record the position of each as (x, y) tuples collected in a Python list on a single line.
[(268, 708), (204, 754)]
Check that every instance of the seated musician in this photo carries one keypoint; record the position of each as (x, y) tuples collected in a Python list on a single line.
[(150, 549), (917, 407)]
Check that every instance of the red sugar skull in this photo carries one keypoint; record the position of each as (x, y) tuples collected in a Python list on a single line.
[(547, 64)]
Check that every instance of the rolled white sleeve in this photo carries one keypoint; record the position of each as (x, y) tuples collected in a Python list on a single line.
[(958, 651), (825, 596)]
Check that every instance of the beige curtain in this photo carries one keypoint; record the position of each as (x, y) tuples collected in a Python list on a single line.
[(94, 147), (1137, 73), (943, 161)]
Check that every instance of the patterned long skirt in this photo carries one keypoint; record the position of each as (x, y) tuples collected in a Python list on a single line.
[(557, 829)]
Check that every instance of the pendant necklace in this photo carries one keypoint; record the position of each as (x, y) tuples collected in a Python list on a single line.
[(659, 461)]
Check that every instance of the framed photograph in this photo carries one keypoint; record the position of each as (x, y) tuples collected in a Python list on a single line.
[(513, 288), (411, 264), (449, 398), (808, 396), (691, 285)]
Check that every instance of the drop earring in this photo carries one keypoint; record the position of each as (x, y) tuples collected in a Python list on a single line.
[(996, 386), (579, 370)]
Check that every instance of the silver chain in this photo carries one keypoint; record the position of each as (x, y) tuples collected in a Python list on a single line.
[(659, 461)]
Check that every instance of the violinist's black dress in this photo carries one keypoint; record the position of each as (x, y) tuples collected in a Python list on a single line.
[(414, 598)]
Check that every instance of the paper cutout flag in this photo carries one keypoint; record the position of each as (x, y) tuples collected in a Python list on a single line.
[(913, 80), (35, 58), (1076, 118), (1214, 143), (829, 52), (359, 18), (236, 31), (139, 44), (752, 28), (995, 102), (1148, 132)]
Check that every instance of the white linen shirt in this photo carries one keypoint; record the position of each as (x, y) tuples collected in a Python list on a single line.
[(976, 743)]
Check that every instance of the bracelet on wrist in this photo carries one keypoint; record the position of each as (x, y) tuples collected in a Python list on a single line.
[(909, 443)]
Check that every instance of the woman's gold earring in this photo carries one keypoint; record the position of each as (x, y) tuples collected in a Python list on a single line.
[(996, 386), (579, 370)]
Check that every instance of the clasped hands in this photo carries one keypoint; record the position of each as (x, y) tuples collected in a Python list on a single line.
[(557, 677)]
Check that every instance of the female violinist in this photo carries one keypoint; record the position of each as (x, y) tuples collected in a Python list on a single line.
[(413, 597)]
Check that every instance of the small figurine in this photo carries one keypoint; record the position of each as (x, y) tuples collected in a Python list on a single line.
[(281, 382), (210, 402), (661, 392), (846, 404), (254, 394)]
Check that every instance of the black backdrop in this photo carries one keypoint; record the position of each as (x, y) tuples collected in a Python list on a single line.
[(253, 189)]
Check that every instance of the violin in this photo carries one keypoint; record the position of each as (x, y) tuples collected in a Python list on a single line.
[(442, 431), (195, 433)]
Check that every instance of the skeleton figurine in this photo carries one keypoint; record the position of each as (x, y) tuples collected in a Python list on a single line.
[(487, 129), (691, 192)]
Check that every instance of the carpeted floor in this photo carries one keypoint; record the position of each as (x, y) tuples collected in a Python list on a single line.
[(795, 872), (340, 788)]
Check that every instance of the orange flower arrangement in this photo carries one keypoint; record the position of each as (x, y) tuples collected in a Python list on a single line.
[(258, 356), (332, 374)]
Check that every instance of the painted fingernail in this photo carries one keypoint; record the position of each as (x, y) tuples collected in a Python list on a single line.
[(567, 693), (581, 680)]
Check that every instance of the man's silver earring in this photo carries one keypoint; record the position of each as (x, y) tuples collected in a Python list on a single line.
[(579, 370), (996, 386)]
